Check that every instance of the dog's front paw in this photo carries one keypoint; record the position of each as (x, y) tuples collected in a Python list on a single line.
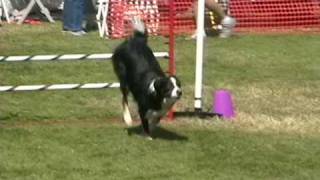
[(149, 138), (153, 124), (146, 136), (128, 121)]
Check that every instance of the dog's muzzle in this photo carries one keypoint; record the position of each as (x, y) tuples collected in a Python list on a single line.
[(176, 93)]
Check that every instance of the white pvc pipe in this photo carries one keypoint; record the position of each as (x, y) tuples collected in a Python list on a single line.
[(68, 57), (6, 11), (44, 87), (199, 56)]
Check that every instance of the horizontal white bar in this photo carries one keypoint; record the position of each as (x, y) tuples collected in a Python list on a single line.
[(71, 56), (99, 85), (161, 54), (59, 87), (94, 85), (43, 57), (115, 85), (28, 87), (100, 56), (5, 88), (16, 58), (62, 86)]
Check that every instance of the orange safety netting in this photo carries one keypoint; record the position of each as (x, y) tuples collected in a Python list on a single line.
[(251, 15), (281, 15), (156, 15)]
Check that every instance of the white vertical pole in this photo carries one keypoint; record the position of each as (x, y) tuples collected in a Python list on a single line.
[(199, 56), (6, 12)]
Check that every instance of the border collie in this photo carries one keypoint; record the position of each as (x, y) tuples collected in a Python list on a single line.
[(140, 73)]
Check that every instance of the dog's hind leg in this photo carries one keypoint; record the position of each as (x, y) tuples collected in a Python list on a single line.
[(120, 70), (125, 105)]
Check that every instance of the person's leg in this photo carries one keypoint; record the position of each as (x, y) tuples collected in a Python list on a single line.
[(216, 8), (195, 12), (79, 6), (212, 5), (224, 20), (68, 15), (73, 15), (90, 16)]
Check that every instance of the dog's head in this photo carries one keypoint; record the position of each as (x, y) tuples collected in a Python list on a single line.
[(168, 87)]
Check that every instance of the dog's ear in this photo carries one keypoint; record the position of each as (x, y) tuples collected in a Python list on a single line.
[(177, 80), (159, 86)]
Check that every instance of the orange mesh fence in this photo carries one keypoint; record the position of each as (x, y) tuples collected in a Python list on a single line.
[(281, 15), (251, 15), (156, 15)]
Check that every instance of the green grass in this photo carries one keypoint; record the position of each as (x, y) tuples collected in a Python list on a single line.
[(91, 151), (274, 80)]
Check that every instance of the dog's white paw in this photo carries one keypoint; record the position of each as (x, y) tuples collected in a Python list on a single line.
[(149, 138), (146, 136), (126, 115), (127, 119)]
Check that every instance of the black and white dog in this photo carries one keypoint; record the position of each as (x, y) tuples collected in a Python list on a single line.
[(139, 73)]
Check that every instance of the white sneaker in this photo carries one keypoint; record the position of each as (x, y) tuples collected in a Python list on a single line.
[(228, 23), (78, 33)]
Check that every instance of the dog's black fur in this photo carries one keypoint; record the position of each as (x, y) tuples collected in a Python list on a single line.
[(139, 73)]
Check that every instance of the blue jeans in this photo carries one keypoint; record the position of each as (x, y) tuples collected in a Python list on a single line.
[(73, 14)]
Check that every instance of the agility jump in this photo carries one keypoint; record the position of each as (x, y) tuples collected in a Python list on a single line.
[(65, 57)]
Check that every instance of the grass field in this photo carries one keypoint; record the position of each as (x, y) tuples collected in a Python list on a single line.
[(274, 79)]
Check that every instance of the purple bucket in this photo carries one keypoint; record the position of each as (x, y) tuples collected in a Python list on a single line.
[(223, 104)]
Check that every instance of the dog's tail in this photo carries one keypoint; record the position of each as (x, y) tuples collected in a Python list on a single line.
[(138, 27)]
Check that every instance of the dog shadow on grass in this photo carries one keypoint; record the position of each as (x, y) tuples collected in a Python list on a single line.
[(158, 133)]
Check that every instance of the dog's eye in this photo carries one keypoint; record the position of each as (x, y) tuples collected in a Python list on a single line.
[(178, 82), (167, 89)]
